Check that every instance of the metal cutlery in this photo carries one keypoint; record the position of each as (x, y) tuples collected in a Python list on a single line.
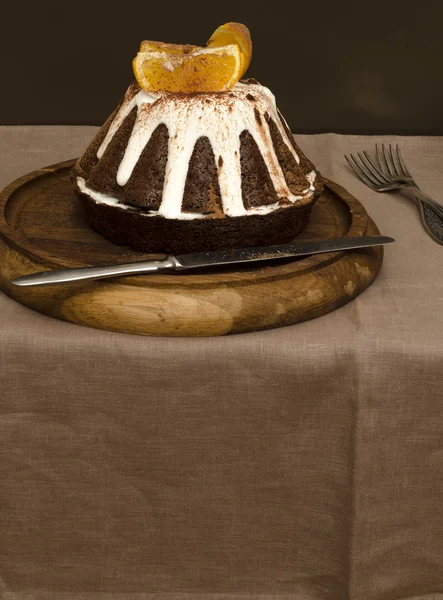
[(388, 172), (204, 259)]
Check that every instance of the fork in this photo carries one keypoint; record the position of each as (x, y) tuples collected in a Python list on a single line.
[(388, 173), (393, 167), (385, 175)]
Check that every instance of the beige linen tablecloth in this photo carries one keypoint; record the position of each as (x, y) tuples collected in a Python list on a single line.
[(300, 463)]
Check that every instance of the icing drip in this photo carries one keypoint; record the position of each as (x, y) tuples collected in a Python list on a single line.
[(111, 201), (221, 118)]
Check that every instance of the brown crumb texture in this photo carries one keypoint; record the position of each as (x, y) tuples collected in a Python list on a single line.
[(257, 188), (89, 158), (202, 191), (305, 164), (294, 175), (103, 176), (157, 234), (145, 186)]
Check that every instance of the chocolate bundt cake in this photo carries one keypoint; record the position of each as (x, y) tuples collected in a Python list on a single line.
[(174, 172)]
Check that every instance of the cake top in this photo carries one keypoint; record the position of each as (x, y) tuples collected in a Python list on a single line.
[(192, 141), (223, 119), (190, 69)]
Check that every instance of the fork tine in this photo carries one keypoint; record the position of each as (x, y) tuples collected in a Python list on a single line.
[(402, 163), (360, 174), (376, 172), (396, 171), (385, 155), (382, 161), (362, 166)]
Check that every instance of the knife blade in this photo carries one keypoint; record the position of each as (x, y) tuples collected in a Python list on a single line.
[(184, 262)]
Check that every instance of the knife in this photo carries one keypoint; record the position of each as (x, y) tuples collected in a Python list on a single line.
[(203, 259)]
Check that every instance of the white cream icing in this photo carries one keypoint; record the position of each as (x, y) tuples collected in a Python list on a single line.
[(101, 198), (219, 117)]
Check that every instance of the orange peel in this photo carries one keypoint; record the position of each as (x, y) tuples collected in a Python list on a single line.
[(234, 33)]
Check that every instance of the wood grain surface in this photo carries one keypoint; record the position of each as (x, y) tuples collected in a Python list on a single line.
[(42, 227)]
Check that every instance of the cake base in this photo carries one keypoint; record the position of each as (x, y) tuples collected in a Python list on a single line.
[(42, 226), (175, 236)]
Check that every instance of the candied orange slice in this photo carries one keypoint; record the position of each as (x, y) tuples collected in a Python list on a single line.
[(234, 33), (178, 68), (148, 46)]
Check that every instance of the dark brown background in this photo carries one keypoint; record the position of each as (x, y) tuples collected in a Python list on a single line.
[(351, 67)]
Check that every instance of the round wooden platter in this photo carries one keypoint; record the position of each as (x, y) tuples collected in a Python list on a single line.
[(42, 227)]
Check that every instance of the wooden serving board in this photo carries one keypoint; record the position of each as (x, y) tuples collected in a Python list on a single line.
[(42, 227)]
